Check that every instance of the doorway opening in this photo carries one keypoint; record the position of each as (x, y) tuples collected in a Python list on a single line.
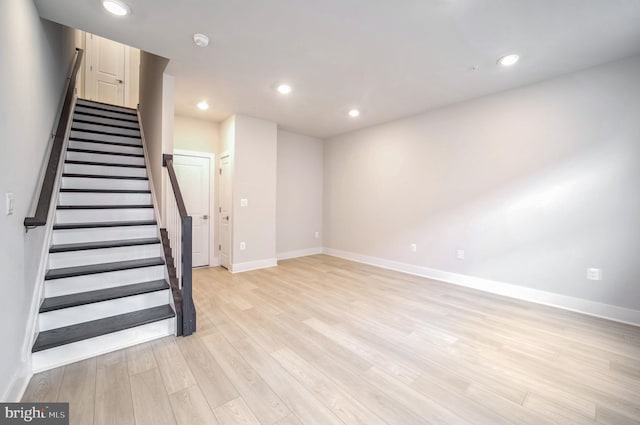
[(194, 171), (111, 71)]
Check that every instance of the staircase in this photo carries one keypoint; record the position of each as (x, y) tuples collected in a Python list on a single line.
[(106, 285)]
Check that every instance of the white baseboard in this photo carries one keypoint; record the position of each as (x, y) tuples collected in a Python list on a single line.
[(300, 253), (253, 265), (18, 383), (591, 308)]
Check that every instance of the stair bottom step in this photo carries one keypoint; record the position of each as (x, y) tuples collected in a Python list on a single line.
[(74, 333), (81, 350)]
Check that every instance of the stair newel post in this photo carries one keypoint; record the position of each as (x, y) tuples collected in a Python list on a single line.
[(179, 250), (189, 311)]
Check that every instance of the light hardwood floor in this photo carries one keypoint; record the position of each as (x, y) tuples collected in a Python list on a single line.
[(320, 340)]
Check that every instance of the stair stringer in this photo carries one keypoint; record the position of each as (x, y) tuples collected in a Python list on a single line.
[(156, 209)]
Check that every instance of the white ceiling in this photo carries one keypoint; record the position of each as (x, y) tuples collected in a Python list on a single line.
[(390, 58)]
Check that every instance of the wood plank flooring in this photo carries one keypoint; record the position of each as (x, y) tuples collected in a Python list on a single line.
[(320, 340)]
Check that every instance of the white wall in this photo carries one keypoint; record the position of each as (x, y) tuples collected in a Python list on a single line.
[(153, 113), (535, 184), (254, 178), (299, 195), (194, 134), (133, 82), (36, 59)]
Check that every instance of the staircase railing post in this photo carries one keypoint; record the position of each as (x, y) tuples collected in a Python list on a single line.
[(189, 311)]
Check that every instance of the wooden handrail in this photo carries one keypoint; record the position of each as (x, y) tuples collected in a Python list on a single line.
[(44, 202), (167, 161)]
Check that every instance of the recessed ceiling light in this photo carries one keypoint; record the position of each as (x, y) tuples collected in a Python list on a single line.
[(201, 40), (354, 113), (203, 106), (284, 89), (509, 60), (116, 7)]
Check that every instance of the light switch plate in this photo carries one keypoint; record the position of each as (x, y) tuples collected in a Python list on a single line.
[(244, 202), (594, 274), (460, 254), (10, 202)]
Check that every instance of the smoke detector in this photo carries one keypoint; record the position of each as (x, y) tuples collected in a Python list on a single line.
[(200, 40)]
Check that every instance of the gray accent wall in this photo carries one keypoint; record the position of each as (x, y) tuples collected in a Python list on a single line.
[(535, 184), (36, 60)]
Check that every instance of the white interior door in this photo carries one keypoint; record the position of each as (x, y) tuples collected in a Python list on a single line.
[(106, 64), (194, 179), (224, 212)]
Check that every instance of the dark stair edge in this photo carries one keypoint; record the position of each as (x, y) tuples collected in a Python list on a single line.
[(103, 176), (106, 133), (103, 207), (105, 191), (106, 142), (115, 266), (96, 114), (103, 164), (100, 295), (82, 331), (101, 224), (80, 150), (106, 106), (102, 124), (86, 246)]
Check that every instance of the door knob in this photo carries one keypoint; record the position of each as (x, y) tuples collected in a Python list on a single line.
[(119, 81), (226, 218), (205, 217)]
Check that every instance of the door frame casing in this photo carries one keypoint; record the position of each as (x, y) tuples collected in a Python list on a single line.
[(227, 154), (213, 253)]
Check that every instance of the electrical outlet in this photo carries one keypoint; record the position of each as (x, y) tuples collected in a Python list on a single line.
[(594, 274), (414, 247), (460, 254), (10, 202), (244, 202), (316, 234), (243, 246)]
